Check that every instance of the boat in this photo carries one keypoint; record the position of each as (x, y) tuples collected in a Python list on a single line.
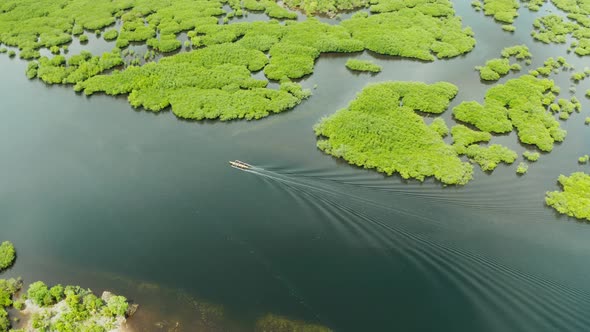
[(240, 164)]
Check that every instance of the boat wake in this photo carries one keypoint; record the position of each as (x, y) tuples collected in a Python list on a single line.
[(524, 301)]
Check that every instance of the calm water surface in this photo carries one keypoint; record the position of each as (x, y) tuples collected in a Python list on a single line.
[(97, 194)]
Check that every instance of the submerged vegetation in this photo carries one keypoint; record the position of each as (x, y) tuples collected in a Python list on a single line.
[(362, 65), (574, 200), (281, 324)]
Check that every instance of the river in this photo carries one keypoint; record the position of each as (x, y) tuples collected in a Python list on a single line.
[(97, 194)]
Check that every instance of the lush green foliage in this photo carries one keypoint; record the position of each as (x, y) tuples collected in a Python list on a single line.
[(520, 52), (72, 308), (381, 130), (397, 33), (7, 255), (501, 10), (362, 65), (477, 5), (209, 83), (464, 137), (8, 288), (417, 29), (489, 157), (494, 69), (554, 28), (166, 43), (584, 159), (571, 6), (578, 76), (519, 103), (522, 168), (574, 200), (440, 127), (533, 5), (508, 27), (587, 121), (111, 35), (77, 68), (325, 6), (531, 156)]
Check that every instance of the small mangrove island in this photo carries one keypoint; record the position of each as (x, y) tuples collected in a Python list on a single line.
[(574, 199)]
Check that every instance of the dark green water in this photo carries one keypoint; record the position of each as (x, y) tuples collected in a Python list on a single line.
[(97, 194)]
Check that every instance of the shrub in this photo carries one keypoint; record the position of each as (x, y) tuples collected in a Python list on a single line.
[(522, 168), (531, 156), (361, 65), (111, 34), (7, 255), (574, 200)]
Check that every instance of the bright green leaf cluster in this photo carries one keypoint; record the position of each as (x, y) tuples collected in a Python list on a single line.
[(520, 52), (7, 255), (508, 27), (494, 69), (490, 156), (8, 288), (502, 10), (440, 127), (381, 130), (362, 65), (72, 308), (519, 103), (574, 200), (111, 35), (522, 168), (534, 5), (209, 83), (396, 33), (330, 7), (464, 137), (77, 68), (531, 156)]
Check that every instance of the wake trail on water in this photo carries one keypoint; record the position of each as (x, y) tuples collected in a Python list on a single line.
[(496, 289), (493, 199)]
